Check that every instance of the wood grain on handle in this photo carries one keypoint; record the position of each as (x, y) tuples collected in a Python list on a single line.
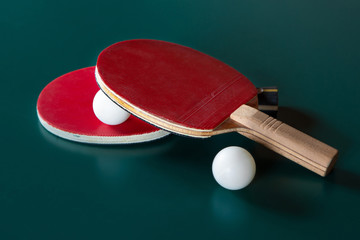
[(285, 140)]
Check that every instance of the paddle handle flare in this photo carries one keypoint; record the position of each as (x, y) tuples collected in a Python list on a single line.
[(285, 140)]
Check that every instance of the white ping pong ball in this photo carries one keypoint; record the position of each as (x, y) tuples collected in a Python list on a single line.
[(233, 168), (107, 111)]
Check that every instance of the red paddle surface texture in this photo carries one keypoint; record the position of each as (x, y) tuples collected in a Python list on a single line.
[(66, 104), (175, 83)]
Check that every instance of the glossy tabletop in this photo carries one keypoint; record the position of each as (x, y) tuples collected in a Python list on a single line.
[(52, 188)]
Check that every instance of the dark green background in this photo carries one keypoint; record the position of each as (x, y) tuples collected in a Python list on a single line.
[(55, 189)]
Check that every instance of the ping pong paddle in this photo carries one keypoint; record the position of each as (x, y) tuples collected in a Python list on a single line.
[(65, 109), (187, 92)]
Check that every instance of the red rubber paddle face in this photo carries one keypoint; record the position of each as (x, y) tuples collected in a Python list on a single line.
[(174, 83), (65, 109)]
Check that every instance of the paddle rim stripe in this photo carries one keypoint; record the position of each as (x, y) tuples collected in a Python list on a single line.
[(269, 90), (139, 138), (268, 107)]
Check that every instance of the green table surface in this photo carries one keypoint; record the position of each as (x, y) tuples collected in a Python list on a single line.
[(51, 188)]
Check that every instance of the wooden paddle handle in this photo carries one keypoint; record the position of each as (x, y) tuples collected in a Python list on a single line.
[(285, 140)]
